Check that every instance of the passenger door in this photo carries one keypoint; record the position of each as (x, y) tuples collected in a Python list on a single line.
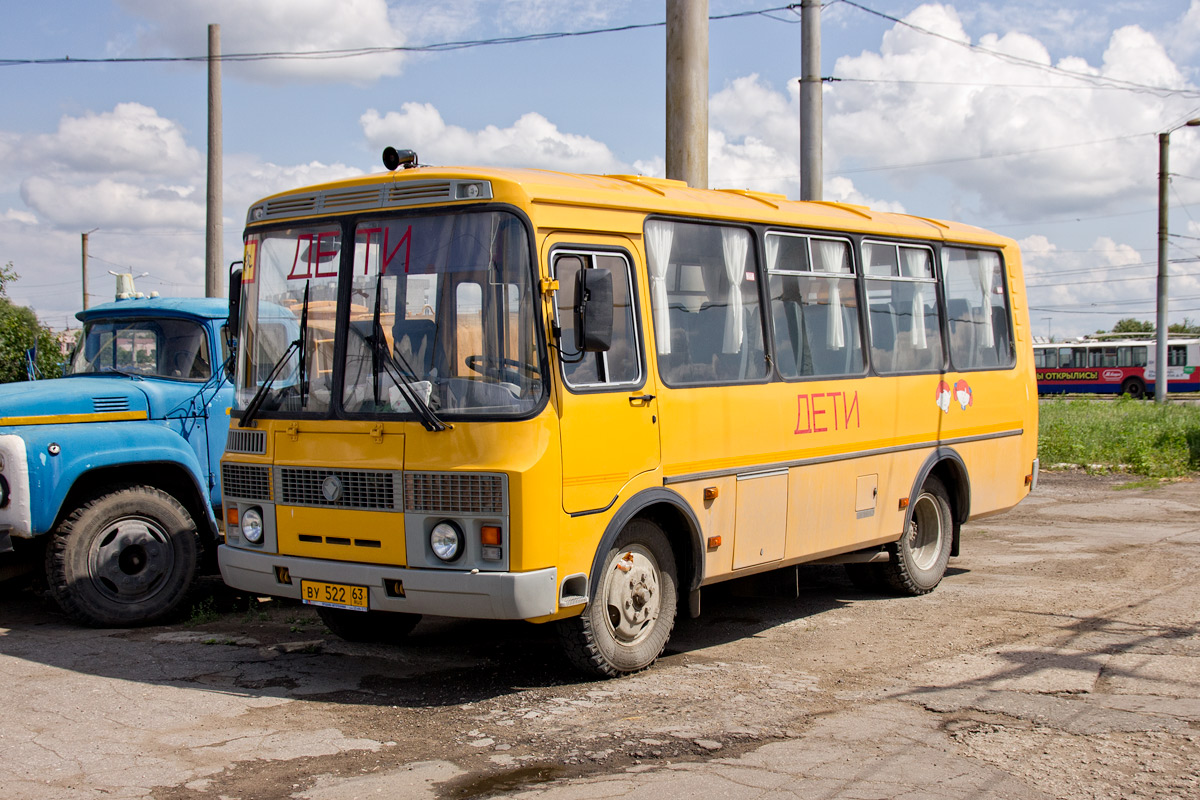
[(608, 410)]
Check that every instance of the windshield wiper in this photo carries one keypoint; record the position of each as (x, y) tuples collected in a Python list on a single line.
[(381, 356), (296, 345)]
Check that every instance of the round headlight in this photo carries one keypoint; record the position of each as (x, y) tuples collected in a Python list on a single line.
[(446, 540), (252, 525)]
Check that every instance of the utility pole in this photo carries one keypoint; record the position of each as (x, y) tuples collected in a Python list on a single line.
[(1161, 332), (811, 170), (84, 237), (687, 91), (214, 225)]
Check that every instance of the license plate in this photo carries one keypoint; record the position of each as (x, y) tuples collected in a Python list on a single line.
[(334, 595)]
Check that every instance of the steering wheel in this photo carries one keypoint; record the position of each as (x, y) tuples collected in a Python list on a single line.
[(502, 369)]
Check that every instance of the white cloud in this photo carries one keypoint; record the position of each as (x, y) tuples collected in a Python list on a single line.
[(132, 139), (531, 141), (897, 108), (112, 204), (180, 28)]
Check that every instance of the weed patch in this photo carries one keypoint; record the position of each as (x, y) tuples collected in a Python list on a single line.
[(1156, 441)]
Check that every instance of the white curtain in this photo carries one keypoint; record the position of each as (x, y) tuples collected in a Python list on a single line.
[(735, 244), (832, 257), (772, 253), (985, 266), (916, 264), (659, 238)]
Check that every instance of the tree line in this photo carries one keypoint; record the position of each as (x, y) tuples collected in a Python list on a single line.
[(20, 331)]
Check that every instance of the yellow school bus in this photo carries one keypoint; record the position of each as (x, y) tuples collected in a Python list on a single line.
[(580, 399)]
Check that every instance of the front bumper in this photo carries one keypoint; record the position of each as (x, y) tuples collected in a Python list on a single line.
[(437, 592)]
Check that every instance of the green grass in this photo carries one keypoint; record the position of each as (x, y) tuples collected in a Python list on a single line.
[(1144, 438)]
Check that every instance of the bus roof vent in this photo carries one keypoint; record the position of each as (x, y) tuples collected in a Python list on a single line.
[(352, 199), (406, 192), (290, 205)]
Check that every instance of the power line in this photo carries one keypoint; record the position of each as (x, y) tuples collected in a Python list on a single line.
[(438, 47), (1096, 80), (916, 164)]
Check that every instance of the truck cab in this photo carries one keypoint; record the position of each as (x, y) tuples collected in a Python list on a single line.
[(109, 475)]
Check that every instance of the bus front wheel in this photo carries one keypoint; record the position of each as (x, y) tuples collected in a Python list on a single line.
[(631, 611), (919, 558), (1134, 388), (383, 627)]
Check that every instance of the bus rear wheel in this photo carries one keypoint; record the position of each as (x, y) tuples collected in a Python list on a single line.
[(1134, 388), (919, 557), (631, 611)]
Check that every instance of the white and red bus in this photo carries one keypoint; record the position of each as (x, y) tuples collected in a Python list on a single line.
[(1111, 365)]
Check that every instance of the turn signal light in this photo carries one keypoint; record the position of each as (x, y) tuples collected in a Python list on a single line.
[(231, 516), (714, 542), (489, 534)]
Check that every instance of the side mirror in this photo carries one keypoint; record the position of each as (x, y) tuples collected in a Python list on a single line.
[(235, 299), (593, 310)]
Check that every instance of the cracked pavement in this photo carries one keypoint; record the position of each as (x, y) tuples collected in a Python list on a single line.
[(1060, 658)]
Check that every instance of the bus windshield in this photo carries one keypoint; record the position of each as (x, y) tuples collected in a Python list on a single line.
[(440, 319)]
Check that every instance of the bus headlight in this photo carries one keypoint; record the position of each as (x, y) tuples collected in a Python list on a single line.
[(446, 540), (252, 525)]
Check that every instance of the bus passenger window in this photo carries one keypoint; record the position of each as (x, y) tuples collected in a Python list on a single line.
[(906, 332), (721, 341), (621, 364), (814, 306), (977, 310)]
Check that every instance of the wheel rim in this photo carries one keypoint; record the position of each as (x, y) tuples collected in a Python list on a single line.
[(925, 531), (131, 560), (632, 598)]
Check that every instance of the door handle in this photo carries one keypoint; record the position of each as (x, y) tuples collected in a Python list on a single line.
[(640, 398)]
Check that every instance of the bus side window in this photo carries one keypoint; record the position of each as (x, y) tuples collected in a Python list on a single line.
[(721, 341), (906, 333), (620, 365), (977, 309)]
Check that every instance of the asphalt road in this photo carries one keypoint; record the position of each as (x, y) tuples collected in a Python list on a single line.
[(1060, 658)]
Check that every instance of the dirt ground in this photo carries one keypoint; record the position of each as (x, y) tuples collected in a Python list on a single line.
[(1059, 658)]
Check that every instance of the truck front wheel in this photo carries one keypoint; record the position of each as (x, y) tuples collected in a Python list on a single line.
[(125, 558)]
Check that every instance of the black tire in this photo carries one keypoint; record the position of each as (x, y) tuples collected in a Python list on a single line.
[(1134, 388), (125, 558), (919, 558), (631, 611), (385, 627)]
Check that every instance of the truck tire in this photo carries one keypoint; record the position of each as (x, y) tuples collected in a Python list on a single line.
[(125, 558), (631, 612)]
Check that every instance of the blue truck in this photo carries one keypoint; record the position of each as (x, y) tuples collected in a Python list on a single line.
[(109, 476)]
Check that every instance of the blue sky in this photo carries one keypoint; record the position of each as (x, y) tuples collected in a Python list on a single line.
[(1035, 119)]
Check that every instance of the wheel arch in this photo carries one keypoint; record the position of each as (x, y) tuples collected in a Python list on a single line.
[(946, 465), (169, 476), (667, 509)]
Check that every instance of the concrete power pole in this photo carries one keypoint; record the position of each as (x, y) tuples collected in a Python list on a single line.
[(213, 259), (687, 91), (84, 237), (811, 170)]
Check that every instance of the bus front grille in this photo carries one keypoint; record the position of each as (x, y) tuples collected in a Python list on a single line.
[(453, 493), (246, 481), (240, 441), (369, 490)]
